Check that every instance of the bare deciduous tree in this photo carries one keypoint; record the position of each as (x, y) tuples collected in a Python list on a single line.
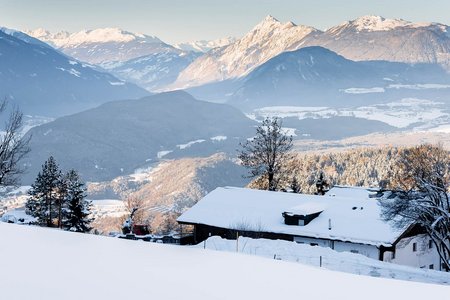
[(12, 147), (423, 163), (266, 153), (423, 198), (135, 207)]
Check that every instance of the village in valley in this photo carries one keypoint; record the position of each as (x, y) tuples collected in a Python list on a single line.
[(287, 157)]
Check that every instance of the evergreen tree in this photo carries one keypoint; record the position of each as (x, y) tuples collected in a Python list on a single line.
[(33, 204), (295, 186), (43, 200), (321, 185), (76, 209), (62, 190)]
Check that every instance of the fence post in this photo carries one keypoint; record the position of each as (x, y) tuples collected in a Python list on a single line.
[(321, 261)]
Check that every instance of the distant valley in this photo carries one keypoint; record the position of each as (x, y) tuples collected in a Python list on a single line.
[(139, 117)]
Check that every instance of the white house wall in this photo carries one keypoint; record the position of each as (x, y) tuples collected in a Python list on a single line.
[(423, 257), (366, 250), (313, 241)]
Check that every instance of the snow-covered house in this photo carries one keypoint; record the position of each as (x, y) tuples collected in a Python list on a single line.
[(345, 219)]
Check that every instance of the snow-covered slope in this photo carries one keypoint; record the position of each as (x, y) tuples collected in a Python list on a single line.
[(330, 259), (315, 76), (43, 81), (377, 23), (103, 44), (170, 186), (138, 58), (154, 71), (96, 267), (204, 46), (365, 38), (24, 37), (264, 41), (377, 38)]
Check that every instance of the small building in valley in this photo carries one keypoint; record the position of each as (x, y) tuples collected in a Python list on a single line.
[(345, 219)]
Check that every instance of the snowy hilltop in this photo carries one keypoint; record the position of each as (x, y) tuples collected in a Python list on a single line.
[(201, 273)]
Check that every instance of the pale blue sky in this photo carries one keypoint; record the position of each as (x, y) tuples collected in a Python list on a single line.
[(178, 20)]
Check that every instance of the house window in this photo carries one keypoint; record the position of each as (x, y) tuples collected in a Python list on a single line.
[(430, 244), (354, 251), (431, 267), (414, 247), (314, 244), (393, 255)]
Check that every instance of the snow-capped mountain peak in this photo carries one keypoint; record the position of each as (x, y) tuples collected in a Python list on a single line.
[(378, 23), (204, 45), (103, 35), (102, 45), (267, 22), (23, 37), (270, 23), (100, 35), (38, 32), (372, 23), (268, 38)]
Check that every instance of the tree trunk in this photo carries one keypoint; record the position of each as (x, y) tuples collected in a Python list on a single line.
[(59, 213), (49, 217), (271, 181)]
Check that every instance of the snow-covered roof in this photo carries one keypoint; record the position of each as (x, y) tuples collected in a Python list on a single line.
[(353, 219), (307, 208), (352, 192)]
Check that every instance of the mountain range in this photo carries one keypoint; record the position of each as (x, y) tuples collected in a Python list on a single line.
[(141, 59), (266, 40), (315, 76), (43, 81), (155, 65), (377, 38), (365, 38), (102, 45), (154, 71)]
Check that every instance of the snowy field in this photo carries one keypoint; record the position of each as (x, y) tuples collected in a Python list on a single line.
[(49, 264), (108, 208), (12, 202), (13, 198), (330, 259), (400, 114)]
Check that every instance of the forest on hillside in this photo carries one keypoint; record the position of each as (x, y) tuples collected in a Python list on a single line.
[(368, 167)]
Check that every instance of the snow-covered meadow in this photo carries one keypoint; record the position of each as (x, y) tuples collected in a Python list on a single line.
[(325, 257), (401, 114), (12, 203), (49, 264)]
